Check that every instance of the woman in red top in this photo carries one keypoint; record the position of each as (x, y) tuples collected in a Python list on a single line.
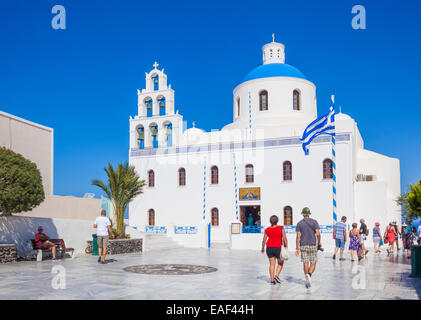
[(277, 237)]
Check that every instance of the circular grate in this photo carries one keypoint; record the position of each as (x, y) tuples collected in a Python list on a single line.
[(169, 269)]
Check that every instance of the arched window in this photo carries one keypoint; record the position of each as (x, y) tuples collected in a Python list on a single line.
[(327, 169), (155, 80), (214, 175), (141, 137), (148, 104), (287, 170), (215, 217), (287, 216), (296, 100), (151, 178), (238, 107), (161, 103), (154, 133), (151, 217), (249, 173), (168, 133), (263, 99), (181, 177)]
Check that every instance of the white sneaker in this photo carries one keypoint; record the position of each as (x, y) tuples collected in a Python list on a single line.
[(308, 281)]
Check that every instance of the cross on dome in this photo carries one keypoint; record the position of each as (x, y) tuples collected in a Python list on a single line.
[(155, 65), (273, 37)]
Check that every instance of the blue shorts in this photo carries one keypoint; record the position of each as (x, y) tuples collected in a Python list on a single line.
[(340, 243)]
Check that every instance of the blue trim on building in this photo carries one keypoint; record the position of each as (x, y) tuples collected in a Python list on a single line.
[(274, 70)]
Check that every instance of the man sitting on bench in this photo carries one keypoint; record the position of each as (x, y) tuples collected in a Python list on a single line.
[(42, 241)]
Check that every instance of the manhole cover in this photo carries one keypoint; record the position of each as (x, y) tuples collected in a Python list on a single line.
[(169, 269)]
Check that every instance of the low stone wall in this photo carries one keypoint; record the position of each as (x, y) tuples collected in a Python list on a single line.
[(119, 246), (8, 253)]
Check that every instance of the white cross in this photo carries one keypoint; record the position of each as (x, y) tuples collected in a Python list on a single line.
[(273, 37), (155, 65)]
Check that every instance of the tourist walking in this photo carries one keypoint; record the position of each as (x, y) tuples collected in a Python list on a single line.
[(308, 243), (409, 237), (103, 226), (419, 235), (43, 242), (363, 235), (397, 234), (274, 239), (377, 237), (339, 234), (389, 237), (354, 241)]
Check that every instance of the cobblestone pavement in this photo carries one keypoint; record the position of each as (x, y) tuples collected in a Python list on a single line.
[(240, 275)]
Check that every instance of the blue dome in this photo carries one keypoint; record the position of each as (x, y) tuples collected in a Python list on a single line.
[(274, 70)]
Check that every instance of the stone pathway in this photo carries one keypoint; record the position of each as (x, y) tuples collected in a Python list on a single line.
[(240, 275)]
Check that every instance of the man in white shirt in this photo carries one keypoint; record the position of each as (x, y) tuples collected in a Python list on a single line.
[(103, 226)]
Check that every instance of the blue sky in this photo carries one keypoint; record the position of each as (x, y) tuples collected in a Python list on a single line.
[(82, 81)]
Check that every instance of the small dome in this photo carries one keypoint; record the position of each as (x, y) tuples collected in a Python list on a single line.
[(274, 70), (193, 131)]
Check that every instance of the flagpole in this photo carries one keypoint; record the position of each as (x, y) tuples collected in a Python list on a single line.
[(335, 218)]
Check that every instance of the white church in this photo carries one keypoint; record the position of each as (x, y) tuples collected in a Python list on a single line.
[(220, 187)]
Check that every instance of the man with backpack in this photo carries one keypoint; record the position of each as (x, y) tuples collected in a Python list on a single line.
[(363, 235)]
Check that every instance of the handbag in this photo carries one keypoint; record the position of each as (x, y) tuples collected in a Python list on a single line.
[(284, 251)]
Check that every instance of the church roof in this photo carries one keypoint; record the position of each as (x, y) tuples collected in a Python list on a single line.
[(274, 70)]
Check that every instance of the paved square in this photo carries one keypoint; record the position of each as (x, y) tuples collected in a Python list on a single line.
[(241, 275)]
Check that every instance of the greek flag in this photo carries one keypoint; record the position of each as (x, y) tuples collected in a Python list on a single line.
[(322, 125)]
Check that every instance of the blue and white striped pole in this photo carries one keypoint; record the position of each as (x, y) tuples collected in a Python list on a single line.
[(235, 186), (335, 217), (204, 190)]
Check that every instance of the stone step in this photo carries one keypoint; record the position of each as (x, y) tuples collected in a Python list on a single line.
[(160, 242)]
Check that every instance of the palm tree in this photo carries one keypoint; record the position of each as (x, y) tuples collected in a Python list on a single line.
[(124, 185)]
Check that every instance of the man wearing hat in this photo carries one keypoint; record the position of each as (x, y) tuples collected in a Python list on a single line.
[(308, 242), (42, 242)]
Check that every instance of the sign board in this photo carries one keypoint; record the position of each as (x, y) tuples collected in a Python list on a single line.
[(185, 230), (246, 194), (235, 228)]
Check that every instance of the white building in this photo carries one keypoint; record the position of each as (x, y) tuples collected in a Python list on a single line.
[(254, 165)]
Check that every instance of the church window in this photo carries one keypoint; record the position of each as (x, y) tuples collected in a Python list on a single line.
[(214, 175), (215, 217), (287, 171), (168, 133), (263, 97), (151, 178), (148, 107), (287, 216), (161, 103), (296, 100), (327, 169), (154, 132), (238, 107), (155, 80), (249, 173), (151, 217), (141, 137), (181, 177)]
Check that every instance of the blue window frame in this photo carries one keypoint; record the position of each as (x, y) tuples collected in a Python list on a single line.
[(155, 136), (162, 106), (169, 135), (149, 108), (155, 82)]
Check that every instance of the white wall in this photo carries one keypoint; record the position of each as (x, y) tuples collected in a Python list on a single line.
[(31, 140), (18, 230), (66, 208)]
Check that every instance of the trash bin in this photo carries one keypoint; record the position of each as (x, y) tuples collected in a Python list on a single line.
[(94, 245), (416, 261)]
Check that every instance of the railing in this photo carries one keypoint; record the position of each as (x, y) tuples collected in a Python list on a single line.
[(253, 229), (155, 230), (185, 230)]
